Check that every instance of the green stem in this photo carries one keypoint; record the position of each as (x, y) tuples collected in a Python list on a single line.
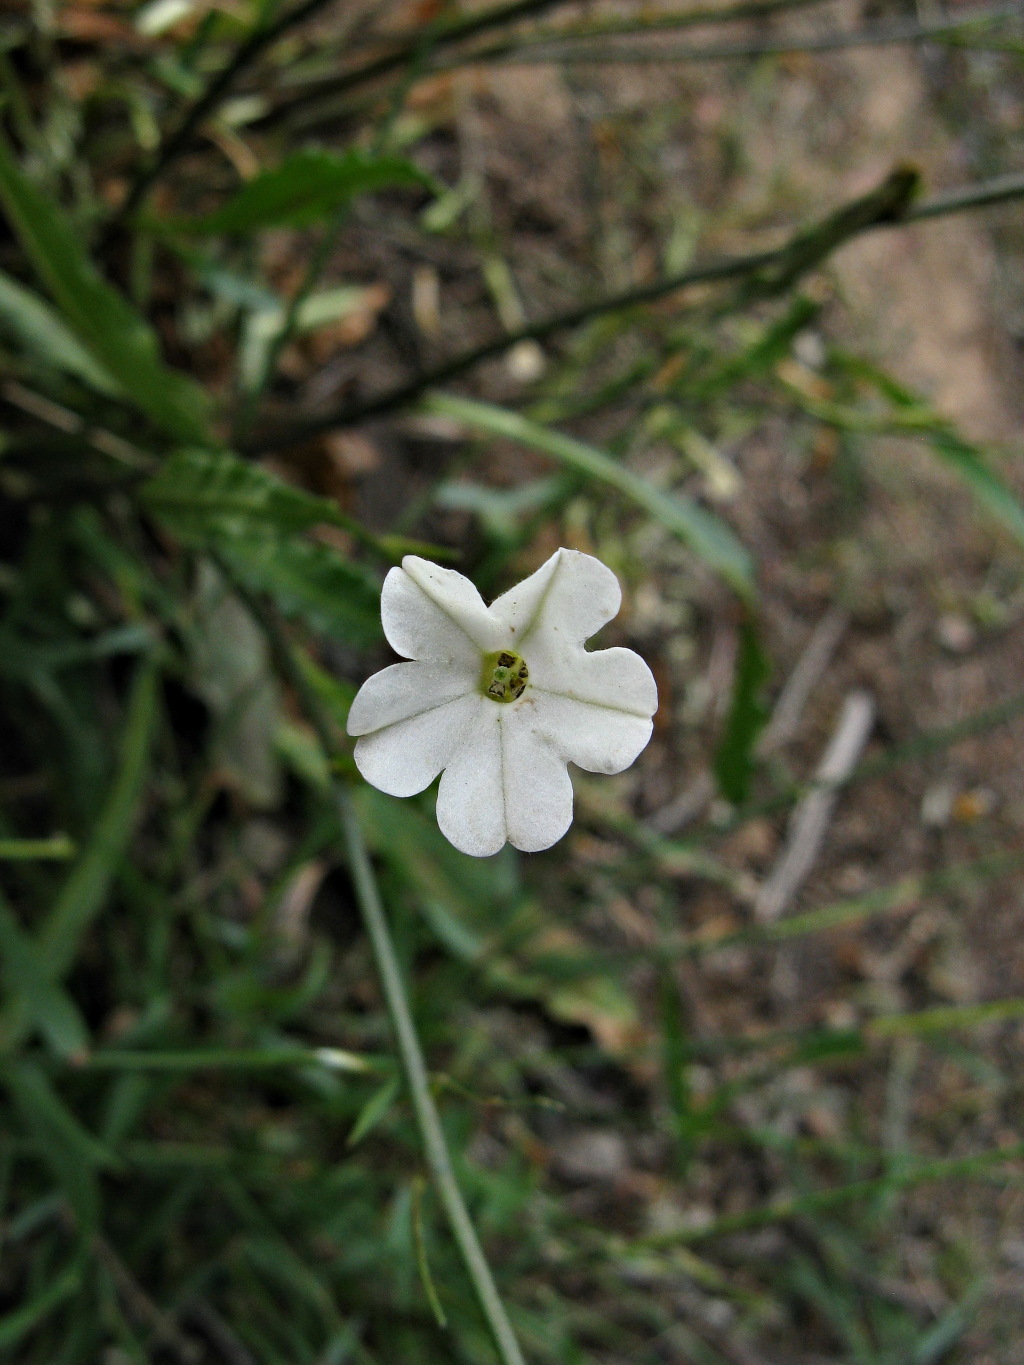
[(805, 251), (817, 1201), (427, 1118), (180, 139), (561, 47), (289, 325), (234, 1059), (57, 846), (410, 1052)]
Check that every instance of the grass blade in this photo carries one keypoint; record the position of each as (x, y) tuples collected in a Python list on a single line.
[(709, 537), (45, 335), (120, 341), (748, 714), (50, 1008), (57, 847), (921, 1173), (74, 1155), (86, 889), (16, 1325), (307, 187)]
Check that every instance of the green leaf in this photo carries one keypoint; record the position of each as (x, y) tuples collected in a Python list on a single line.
[(920, 1173), (994, 495), (199, 493), (57, 848), (311, 581), (118, 339), (46, 336), (307, 187), (914, 418), (500, 510), (264, 325), (249, 519), (734, 758), (373, 1111), (50, 1008), (24, 1318), (73, 1153), (85, 891), (771, 347), (708, 536)]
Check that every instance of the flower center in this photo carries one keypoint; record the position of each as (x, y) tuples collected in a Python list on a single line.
[(504, 676)]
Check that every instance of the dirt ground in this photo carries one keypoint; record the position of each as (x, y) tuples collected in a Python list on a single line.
[(593, 179), (588, 172)]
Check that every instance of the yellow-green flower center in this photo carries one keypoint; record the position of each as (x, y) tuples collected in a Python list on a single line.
[(504, 676)]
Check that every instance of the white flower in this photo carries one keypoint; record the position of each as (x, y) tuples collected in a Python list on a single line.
[(500, 699)]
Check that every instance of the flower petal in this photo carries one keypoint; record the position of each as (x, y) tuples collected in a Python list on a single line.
[(404, 758), (506, 783), (470, 801), (617, 679), (436, 614), (402, 691), (538, 788), (592, 737), (570, 597), (596, 708)]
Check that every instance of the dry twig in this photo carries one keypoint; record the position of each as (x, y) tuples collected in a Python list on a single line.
[(811, 818)]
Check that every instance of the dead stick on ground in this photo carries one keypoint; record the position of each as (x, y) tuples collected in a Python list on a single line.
[(811, 818), (772, 272), (813, 662), (781, 728)]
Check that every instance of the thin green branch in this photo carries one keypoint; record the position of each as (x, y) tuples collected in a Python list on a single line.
[(648, 23), (410, 1052), (999, 190), (233, 1059), (893, 899), (57, 846), (331, 92), (573, 49), (427, 1117), (848, 222), (181, 138), (336, 87), (926, 1172), (928, 742)]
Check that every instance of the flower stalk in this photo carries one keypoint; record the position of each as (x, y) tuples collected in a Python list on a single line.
[(371, 908), (427, 1118)]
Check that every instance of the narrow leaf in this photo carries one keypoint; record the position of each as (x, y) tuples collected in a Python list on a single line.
[(46, 336), (925, 1172), (307, 186), (118, 339), (373, 1111), (72, 1152), (50, 1008), (734, 759), (86, 889), (994, 495), (308, 580), (249, 519), (57, 847), (27, 1316), (197, 493), (708, 536)]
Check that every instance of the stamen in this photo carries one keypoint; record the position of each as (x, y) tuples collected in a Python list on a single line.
[(504, 676)]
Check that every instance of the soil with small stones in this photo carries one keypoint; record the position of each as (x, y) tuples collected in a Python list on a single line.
[(586, 175)]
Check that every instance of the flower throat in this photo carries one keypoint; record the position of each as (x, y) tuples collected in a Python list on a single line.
[(504, 676)]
